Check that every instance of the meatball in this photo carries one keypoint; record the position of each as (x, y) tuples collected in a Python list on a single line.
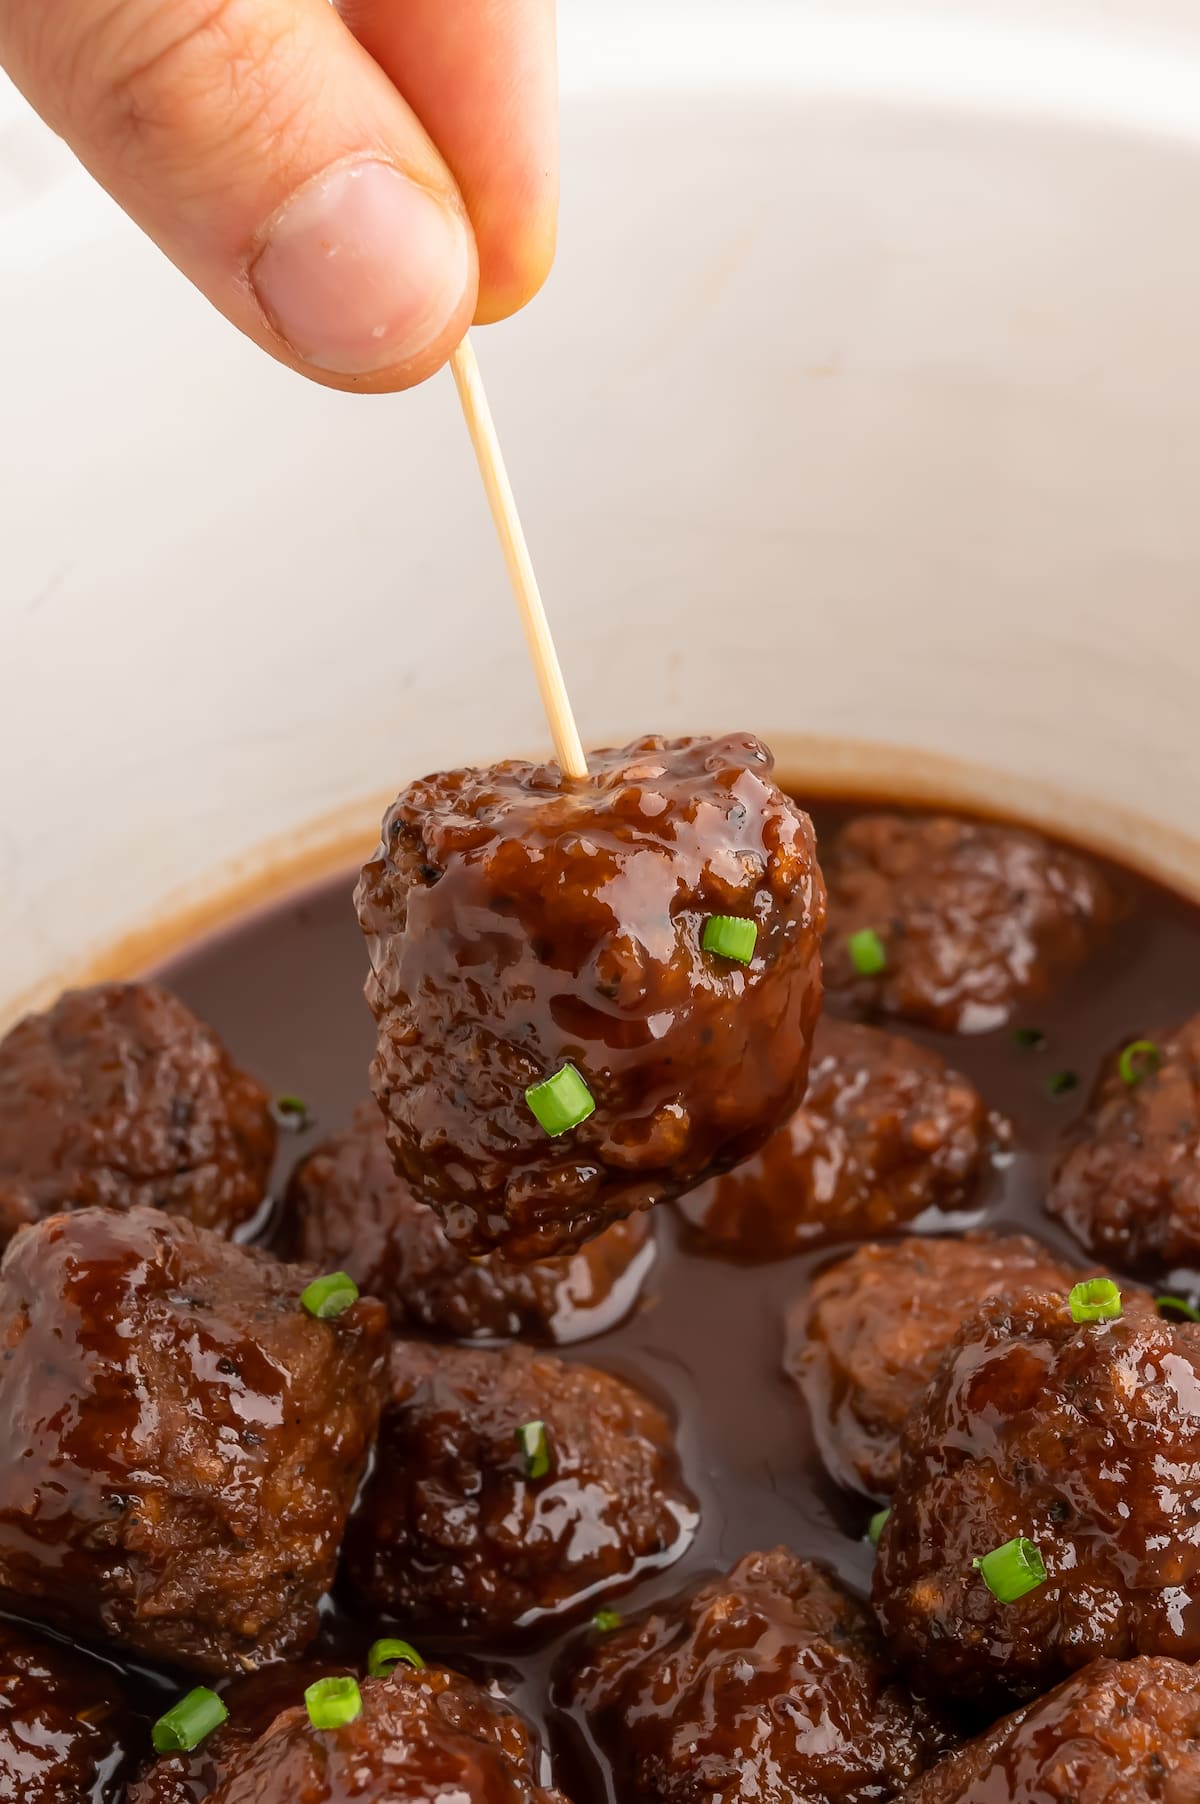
[(253, 1701), (427, 1737), (885, 1131), (973, 918), (348, 1209), (1081, 1438), (1129, 1187), (1121, 1732), (510, 1487), (866, 1340), (119, 1096), (180, 1441), (769, 1682), (64, 1724), (520, 923)]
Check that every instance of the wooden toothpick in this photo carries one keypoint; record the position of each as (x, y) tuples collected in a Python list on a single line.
[(567, 747)]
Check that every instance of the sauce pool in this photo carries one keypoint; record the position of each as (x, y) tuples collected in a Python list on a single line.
[(284, 990)]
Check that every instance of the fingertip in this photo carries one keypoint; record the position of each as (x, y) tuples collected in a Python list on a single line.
[(482, 77), (511, 274)]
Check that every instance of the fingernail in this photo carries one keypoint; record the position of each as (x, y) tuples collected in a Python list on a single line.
[(362, 269)]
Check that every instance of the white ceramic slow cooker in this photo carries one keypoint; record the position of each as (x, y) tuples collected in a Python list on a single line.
[(863, 409)]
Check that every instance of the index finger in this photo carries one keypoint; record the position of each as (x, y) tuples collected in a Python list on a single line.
[(481, 76)]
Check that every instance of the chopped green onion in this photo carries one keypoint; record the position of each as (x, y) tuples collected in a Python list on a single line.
[(186, 1723), (875, 1526), (291, 1112), (1061, 1082), (605, 1621), (329, 1296), (1029, 1036), (1180, 1305), (1009, 1572), (333, 1702), (534, 1443), (868, 954), (1095, 1300), (561, 1102), (1141, 1058), (729, 936), (385, 1656)]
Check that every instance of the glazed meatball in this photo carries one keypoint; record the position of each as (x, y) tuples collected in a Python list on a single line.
[(119, 1096), (468, 1523), (426, 1737), (520, 923), (866, 1340), (768, 1683), (1081, 1438), (973, 918), (348, 1209), (1129, 1186), (1121, 1732), (253, 1702), (64, 1725), (180, 1441), (885, 1131)]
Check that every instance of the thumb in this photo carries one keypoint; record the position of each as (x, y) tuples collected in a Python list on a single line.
[(266, 152)]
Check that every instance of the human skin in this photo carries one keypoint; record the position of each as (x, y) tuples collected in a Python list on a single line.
[(350, 186)]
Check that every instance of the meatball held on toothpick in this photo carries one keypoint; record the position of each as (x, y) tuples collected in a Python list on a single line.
[(589, 995)]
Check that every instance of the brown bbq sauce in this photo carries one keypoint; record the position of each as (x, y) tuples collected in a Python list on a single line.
[(284, 990)]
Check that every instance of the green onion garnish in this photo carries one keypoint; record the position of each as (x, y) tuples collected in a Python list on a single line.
[(868, 954), (1009, 1572), (1180, 1305), (329, 1296), (385, 1656), (1061, 1082), (291, 1112), (605, 1621), (730, 937), (1095, 1300), (186, 1723), (534, 1443), (1029, 1036), (1141, 1058), (561, 1102), (875, 1526), (333, 1702)]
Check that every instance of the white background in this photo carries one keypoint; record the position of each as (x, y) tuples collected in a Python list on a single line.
[(864, 402)]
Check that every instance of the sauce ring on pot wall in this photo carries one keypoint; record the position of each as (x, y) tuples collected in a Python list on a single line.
[(589, 997)]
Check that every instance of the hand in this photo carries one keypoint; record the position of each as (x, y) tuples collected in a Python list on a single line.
[(349, 190)]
